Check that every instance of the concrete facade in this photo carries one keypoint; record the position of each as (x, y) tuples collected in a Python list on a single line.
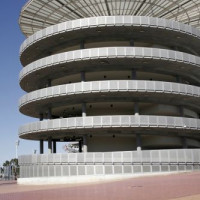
[(120, 85)]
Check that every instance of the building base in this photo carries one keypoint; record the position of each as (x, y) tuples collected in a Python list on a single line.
[(74, 180), (92, 167)]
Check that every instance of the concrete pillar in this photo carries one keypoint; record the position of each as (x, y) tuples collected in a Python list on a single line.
[(84, 144), (49, 145), (132, 43), (136, 108), (181, 111), (84, 110), (49, 115), (41, 117), (82, 76), (178, 79), (41, 146), (49, 83), (82, 45), (184, 142), (80, 146), (134, 75), (138, 142), (54, 146)]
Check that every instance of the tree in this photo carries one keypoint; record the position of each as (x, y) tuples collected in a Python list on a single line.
[(14, 162), (6, 163)]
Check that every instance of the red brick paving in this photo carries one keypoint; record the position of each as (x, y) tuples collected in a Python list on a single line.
[(143, 188)]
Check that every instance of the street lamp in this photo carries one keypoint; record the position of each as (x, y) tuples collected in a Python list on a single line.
[(16, 145)]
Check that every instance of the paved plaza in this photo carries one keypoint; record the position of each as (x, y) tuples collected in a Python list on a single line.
[(184, 186)]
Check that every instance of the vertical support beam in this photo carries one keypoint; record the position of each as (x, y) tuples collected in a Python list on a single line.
[(132, 43), (84, 110), (184, 142), (82, 44), (54, 146), (41, 146), (136, 108), (138, 142), (49, 115), (80, 146), (134, 75), (41, 116), (84, 143), (49, 83), (181, 110), (49, 145), (82, 76), (178, 79)]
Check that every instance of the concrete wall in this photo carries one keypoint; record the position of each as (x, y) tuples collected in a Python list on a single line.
[(111, 143)]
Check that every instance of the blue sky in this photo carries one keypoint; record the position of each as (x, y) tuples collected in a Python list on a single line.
[(10, 118)]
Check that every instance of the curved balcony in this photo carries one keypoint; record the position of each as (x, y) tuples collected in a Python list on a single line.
[(140, 28), (78, 126), (100, 91), (110, 58)]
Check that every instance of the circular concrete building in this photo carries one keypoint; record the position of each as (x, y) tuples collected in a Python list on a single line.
[(119, 77)]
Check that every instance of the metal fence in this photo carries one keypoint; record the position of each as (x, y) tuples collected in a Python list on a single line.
[(127, 162)]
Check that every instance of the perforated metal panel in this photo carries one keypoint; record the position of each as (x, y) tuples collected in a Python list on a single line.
[(164, 157), (127, 169), (108, 157), (110, 163), (80, 158), (99, 169), (146, 157), (164, 168), (73, 170), (136, 156), (117, 157), (108, 169), (98, 157), (65, 169), (58, 170), (72, 157), (146, 168), (51, 170), (81, 170), (90, 170), (137, 169), (89, 157)]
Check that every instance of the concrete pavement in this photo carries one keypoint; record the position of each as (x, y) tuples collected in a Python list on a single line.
[(184, 186)]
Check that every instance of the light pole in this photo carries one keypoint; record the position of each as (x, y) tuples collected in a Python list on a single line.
[(16, 145)]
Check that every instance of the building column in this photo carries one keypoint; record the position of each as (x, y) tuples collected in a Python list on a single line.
[(82, 76), (136, 108), (49, 83), (82, 45), (41, 146), (49, 114), (54, 146), (84, 110), (41, 117), (132, 43), (134, 74), (49, 145), (84, 144), (138, 142), (184, 142), (181, 111), (178, 79), (80, 146)]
